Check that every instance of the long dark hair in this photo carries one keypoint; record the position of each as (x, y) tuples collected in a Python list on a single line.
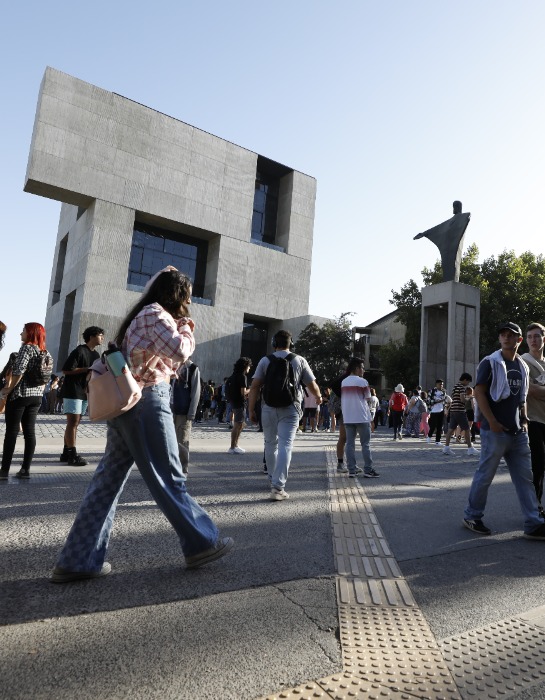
[(171, 290), (241, 364)]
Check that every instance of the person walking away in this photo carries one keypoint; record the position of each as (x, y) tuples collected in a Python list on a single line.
[(436, 401), (309, 413), (186, 392), (458, 415), (414, 411), (501, 390), (398, 403), (355, 393), (281, 375), (536, 405), (75, 371), (157, 333), (207, 393), (238, 394), (23, 390), (325, 419)]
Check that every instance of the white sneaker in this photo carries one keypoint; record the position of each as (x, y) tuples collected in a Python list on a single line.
[(438, 444), (428, 440), (278, 495), (447, 450), (472, 451), (236, 451)]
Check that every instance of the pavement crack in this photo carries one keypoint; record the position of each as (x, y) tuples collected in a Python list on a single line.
[(333, 630)]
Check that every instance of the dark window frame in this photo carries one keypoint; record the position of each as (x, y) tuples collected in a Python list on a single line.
[(161, 247)]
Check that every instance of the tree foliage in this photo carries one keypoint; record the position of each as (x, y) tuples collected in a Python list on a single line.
[(399, 365), (512, 289), (326, 348)]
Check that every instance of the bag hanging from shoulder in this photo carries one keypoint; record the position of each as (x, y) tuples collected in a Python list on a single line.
[(111, 388)]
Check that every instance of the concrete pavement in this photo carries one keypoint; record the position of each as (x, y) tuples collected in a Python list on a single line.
[(267, 618)]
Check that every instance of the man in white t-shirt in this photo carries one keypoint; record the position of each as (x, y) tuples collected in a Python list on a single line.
[(357, 418)]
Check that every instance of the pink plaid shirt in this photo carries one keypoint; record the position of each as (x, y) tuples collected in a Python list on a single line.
[(155, 333)]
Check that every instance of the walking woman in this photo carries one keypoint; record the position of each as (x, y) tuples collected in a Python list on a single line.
[(398, 404), (156, 333), (23, 400)]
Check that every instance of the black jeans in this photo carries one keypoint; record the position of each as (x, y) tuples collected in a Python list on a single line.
[(536, 436), (436, 424), (397, 420), (22, 411)]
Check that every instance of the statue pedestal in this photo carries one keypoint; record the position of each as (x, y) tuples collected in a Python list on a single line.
[(449, 343)]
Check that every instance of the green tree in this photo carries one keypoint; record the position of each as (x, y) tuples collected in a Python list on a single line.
[(326, 348), (399, 362)]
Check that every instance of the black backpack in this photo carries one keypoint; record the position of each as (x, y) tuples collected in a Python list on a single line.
[(279, 385), (181, 393), (39, 370)]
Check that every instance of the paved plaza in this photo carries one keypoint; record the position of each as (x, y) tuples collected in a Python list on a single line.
[(362, 588)]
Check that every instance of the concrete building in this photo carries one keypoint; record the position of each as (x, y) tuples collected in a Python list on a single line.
[(141, 190)]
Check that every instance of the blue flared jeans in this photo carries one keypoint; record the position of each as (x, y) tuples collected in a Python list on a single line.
[(145, 435), (515, 450)]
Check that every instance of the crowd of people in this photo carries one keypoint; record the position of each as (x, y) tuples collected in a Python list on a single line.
[(505, 406)]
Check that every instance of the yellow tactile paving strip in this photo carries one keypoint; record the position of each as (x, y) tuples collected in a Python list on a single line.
[(388, 650)]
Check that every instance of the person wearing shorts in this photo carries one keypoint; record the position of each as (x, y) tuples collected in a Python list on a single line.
[(239, 396), (458, 416), (75, 371), (309, 413)]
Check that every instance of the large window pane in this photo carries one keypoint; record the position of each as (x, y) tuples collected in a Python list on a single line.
[(154, 249)]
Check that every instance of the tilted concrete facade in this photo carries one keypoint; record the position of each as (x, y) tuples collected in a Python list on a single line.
[(114, 163)]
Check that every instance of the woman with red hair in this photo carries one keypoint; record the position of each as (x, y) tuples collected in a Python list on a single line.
[(24, 397)]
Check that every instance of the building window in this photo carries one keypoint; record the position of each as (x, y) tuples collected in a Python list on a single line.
[(154, 248), (265, 208), (266, 195), (59, 271)]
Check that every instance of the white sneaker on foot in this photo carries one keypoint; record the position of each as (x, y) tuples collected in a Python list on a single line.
[(472, 451), (428, 440), (447, 450), (236, 451), (278, 494)]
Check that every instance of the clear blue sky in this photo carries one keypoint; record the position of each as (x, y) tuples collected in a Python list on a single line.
[(396, 107)]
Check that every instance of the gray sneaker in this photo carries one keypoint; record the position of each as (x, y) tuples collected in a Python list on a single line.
[(342, 469), (220, 549), (356, 472), (66, 576)]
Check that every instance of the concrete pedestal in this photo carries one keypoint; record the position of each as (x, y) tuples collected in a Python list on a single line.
[(449, 343)]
